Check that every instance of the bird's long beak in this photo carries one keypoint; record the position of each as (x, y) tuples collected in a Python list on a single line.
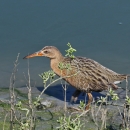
[(39, 53)]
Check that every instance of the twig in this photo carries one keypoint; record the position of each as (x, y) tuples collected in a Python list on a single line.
[(126, 86), (5, 120), (32, 118), (103, 125), (12, 94), (56, 81)]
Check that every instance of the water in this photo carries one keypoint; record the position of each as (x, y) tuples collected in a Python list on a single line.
[(98, 29)]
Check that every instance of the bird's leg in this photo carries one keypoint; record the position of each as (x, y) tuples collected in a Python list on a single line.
[(90, 99), (75, 95)]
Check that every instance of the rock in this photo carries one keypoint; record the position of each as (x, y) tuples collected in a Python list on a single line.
[(46, 103)]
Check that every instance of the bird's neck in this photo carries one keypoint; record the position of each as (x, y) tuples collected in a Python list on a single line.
[(55, 63)]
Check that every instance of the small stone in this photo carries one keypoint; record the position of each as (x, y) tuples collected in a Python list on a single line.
[(46, 103)]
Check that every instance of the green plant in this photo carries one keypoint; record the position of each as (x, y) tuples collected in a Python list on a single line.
[(19, 106), (112, 94), (127, 100), (46, 76), (102, 100), (68, 123), (62, 66), (70, 51), (82, 105)]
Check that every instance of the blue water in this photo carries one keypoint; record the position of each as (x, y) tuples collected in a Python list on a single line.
[(98, 29)]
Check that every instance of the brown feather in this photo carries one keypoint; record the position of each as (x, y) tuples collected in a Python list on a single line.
[(92, 76)]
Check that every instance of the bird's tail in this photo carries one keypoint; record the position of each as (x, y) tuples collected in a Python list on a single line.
[(121, 77)]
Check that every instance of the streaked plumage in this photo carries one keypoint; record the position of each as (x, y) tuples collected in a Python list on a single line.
[(91, 75)]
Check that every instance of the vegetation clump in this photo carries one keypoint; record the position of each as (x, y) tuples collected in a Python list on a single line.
[(26, 113)]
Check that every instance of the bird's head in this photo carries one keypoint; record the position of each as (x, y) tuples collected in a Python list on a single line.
[(48, 51)]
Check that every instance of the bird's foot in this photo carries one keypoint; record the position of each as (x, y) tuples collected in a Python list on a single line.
[(73, 99), (75, 96)]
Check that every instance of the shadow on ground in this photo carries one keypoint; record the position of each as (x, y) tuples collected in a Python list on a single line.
[(58, 92)]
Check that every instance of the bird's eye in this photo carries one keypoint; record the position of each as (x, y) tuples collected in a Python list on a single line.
[(45, 52)]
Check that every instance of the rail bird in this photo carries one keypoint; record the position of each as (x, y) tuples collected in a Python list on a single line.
[(86, 75)]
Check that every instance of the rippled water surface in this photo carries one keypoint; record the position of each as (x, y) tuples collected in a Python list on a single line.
[(98, 29)]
